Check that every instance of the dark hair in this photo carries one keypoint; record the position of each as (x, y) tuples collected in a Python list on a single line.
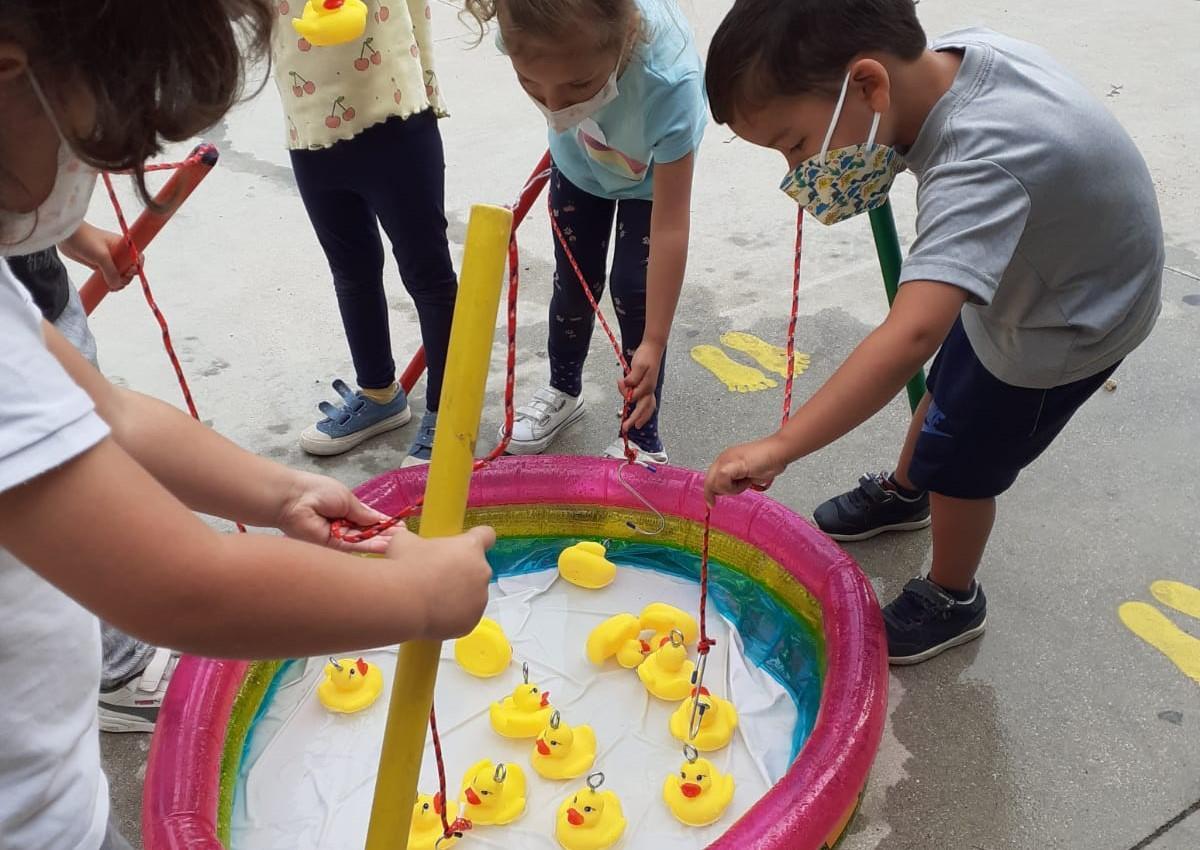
[(158, 71), (767, 48), (551, 19)]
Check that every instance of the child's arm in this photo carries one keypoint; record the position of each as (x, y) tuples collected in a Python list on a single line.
[(874, 372), (92, 247), (670, 223)]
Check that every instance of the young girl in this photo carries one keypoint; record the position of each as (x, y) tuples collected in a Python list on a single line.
[(366, 151), (95, 490), (621, 87)]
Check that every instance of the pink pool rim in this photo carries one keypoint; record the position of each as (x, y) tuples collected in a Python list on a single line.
[(807, 808)]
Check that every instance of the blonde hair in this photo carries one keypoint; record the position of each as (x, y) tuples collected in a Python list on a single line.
[(547, 20)]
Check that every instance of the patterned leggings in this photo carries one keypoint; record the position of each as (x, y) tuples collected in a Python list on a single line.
[(587, 223)]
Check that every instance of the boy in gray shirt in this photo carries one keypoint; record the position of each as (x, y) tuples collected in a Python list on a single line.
[(1036, 267)]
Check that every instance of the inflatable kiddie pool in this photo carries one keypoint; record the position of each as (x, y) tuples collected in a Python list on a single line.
[(245, 758)]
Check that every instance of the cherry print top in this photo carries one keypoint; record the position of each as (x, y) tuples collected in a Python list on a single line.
[(334, 93)]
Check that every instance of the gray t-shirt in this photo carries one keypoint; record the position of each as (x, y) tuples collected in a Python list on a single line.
[(1033, 199)]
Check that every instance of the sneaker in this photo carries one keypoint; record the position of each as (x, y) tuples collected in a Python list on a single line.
[(871, 508), (537, 424), (925, 620), (616, 450), (421, 450), (356, 420), (133, 706)]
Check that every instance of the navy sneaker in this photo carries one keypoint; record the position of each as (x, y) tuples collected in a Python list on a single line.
[(876, 505), (421, 451), (355, 420), (925, 620)]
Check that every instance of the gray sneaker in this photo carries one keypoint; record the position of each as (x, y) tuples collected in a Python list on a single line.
[(538, 423)]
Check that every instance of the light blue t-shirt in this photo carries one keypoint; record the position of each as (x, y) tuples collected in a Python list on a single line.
[(658, 116)]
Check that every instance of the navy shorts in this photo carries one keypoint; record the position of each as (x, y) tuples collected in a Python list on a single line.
[(980, 432)]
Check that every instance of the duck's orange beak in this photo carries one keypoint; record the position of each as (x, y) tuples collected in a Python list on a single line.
[(690, 790), (472, 797), (574, 818), (542, 748), (545, 698)]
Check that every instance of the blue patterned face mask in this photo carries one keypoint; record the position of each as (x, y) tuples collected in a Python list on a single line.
[(838, 184)]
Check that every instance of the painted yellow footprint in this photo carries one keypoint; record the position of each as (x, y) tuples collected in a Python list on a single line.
[(735, 376), (1156, 629), (770, 357)]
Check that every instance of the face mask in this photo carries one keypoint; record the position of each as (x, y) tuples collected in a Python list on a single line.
[(561, 120), (839, 184), (60, 215)]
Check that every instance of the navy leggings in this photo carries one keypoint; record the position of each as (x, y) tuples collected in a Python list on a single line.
[(393, 172), (587, 223)]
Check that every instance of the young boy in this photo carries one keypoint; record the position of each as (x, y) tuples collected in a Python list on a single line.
[(1036, 265)]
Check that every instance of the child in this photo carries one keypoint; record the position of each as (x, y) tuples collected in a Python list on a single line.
[(133, 674), (619, 82), (1034, 276), (366, 151), (94, 489)]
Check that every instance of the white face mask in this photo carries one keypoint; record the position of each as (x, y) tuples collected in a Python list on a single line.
[(561, 120), (60, 215)]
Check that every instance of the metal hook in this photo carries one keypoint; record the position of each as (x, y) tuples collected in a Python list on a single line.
[(698, 707), (525, 671), (336, 665), (595, 780), (501, 773), (555, 720), (661, 520), (690, 753), (677, 638)]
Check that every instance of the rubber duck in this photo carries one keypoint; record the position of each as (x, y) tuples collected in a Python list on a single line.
[(667, 672), (485, 652), (717, 719), (699, 793), (619, 635), (585, 565), (494, 794), (523, 714), (662, 619), (328, 22), (590, 819), (349, 685), (562, 751), (426, 830)]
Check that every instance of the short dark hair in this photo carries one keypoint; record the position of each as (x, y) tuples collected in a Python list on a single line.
[(767, 48), (157, 71)]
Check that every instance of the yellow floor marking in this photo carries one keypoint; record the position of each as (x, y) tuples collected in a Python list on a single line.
[(735, 376), (1152, 626), (770, 357), (1182, 597)]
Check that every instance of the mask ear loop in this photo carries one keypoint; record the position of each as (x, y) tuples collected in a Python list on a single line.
[(837, 114), (874, 130)]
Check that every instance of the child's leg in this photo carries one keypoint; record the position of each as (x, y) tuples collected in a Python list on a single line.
[(961, 528), (407, 192), (900, 476), (586, 223), (631, 259)]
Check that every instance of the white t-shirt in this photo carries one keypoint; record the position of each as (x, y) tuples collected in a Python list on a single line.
[(53, 795)]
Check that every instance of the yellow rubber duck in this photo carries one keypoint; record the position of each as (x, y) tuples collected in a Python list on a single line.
[(426, 829), (662, 619), (325, 23), (667, 672), (485, 652), (718, 719), (619, 635), (494, 794), (562, 751), (585, 565), (699, 793), (350, 685), (525, 713), (590, 819)]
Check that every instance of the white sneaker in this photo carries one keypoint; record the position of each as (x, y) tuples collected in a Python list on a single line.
[(133, 706), (616, 450), (538, 423)]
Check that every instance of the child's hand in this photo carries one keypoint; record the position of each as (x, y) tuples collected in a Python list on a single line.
[(456, 575), (642, 380), (750, 465), (92, 247), (315, 502)]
